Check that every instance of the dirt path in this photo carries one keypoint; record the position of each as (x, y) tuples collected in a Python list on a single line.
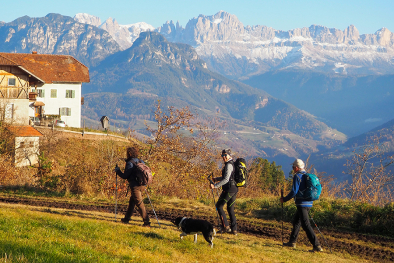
[(370, 247)]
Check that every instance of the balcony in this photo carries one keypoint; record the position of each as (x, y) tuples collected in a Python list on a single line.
[(14, 93)]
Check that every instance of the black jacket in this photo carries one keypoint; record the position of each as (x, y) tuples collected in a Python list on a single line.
[(129, 173)]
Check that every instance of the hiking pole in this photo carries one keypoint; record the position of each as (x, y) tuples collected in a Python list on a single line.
[(214, 201), (152, 207), (281, 195), (116, 192), (321, 234)]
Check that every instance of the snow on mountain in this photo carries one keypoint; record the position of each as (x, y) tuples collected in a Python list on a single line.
[(239, 51), (124, 35), (87, 19)]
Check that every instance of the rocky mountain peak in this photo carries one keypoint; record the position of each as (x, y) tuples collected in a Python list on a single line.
[(87, 19), (111, 26), (385, 37)]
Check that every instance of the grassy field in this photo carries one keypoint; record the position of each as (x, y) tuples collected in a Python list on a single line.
[(35, 234)]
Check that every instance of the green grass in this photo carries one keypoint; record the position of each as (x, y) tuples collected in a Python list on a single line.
[(336, 214), (56, 235)]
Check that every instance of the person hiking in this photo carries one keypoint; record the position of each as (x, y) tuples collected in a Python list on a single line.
[(301, 217), (228, 194), (136, 189)]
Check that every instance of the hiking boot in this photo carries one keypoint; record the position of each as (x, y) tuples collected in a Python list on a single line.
[(317, 249), (146, 225), (234, 232), (224, 230), (289, 244), (125, 220)]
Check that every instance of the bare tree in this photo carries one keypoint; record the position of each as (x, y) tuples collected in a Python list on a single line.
[(187, 145), (372, 181)]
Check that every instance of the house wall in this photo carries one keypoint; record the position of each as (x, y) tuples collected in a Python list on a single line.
[(53, 105), (7, 72), (15, 111), (26, 151), (14, 99)]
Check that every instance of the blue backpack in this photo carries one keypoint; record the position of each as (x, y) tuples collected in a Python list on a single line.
[(313, 188)]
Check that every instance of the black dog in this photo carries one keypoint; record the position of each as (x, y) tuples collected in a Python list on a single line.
[(191, 226)]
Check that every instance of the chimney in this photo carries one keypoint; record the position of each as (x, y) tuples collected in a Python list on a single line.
[(34, 52)]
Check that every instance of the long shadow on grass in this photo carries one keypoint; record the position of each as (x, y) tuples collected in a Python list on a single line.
[(151, 235), (31, 191), (34, 253)]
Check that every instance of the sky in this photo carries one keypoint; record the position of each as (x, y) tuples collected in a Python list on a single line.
[(367, 15)]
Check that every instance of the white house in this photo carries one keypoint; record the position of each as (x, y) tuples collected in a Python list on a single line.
[(36, 86)]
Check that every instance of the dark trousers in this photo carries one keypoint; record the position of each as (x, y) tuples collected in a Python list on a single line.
[(301, 218), (228, 198), (137, 201)]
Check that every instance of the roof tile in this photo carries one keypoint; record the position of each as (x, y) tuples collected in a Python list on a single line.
[(24, 131), (49, 68)]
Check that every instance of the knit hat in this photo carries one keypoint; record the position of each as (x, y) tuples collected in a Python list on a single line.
[(228, 151), (299, 163)]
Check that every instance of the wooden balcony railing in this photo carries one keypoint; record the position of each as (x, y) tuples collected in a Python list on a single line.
[(14, 93)]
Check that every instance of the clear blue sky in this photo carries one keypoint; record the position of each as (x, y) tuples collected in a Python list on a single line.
[(367, 15)]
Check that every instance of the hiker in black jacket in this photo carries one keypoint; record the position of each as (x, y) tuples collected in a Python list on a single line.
[(136, 188), (229, 193)]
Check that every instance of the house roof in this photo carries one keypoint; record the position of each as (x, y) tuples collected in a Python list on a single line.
[(24, 131), (48, 68)]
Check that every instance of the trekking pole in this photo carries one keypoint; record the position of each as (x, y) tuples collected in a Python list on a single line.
[(281, 195), (321, 234), (116, 192), (214, 201), (152, 207)]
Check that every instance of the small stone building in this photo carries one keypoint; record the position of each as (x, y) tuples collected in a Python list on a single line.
[(27, 142)]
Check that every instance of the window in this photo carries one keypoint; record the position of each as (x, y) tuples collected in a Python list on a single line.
[(53, 93), (11, 82), (65, 111), (70, 93), (41, 93), (9, 111)]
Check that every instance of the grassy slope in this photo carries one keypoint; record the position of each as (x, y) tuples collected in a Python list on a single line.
[(55, 235)]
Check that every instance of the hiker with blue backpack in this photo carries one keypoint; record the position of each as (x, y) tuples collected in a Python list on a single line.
[(303, 195)]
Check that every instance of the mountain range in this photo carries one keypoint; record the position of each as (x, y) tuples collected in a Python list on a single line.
[(341, 77), (154, 68), (239, 51)]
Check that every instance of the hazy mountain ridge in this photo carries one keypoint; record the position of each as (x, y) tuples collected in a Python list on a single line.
[(384, 132), (351, 104), (333, 161)]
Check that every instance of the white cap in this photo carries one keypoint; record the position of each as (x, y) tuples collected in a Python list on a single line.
[(299, 163)]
